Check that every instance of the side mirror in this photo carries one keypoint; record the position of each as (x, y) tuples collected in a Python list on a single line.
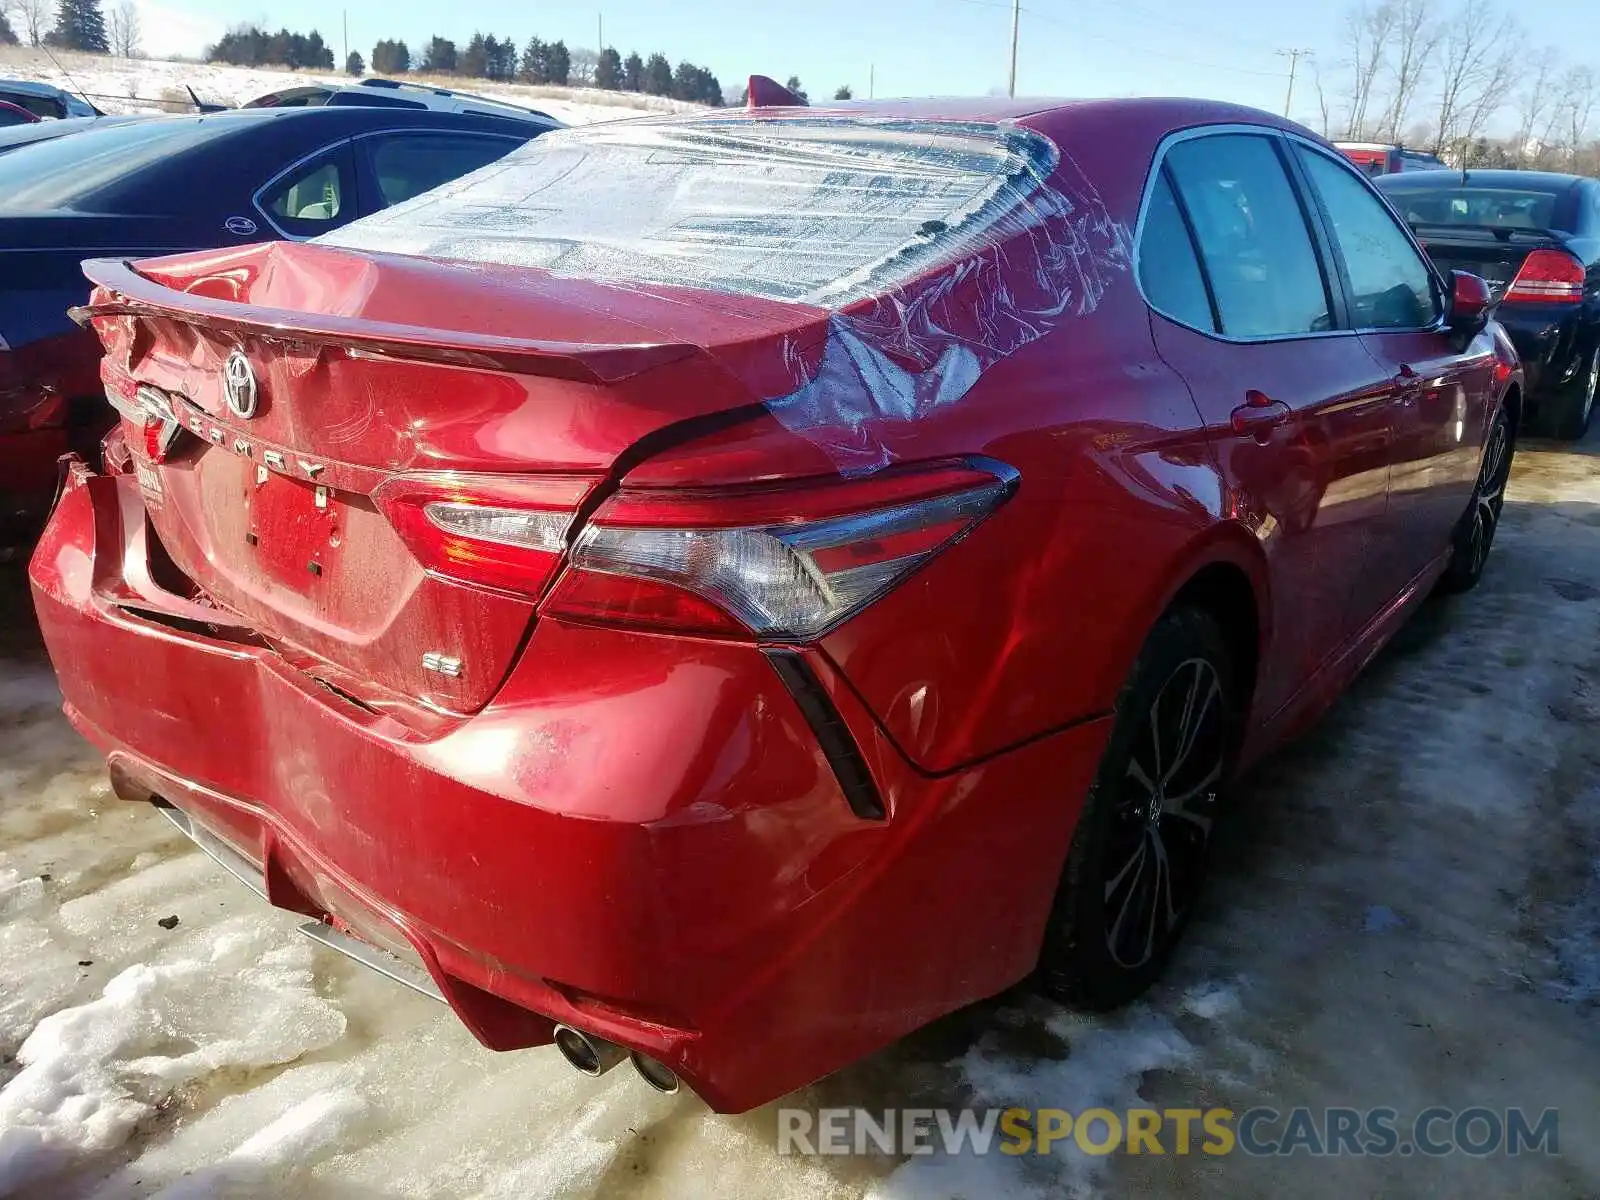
[(1469, 302)]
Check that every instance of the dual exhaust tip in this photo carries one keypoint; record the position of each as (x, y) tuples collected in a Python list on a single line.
[(594, 1056)]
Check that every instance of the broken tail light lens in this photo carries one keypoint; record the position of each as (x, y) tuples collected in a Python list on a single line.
[(506, 533), (148, 411), (662, 562)]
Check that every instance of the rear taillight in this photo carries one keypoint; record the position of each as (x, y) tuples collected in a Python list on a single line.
[(776, 564), (1548, 276), (507, 533)]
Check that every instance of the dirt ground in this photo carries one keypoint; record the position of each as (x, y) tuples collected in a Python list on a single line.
[(1405, 913)]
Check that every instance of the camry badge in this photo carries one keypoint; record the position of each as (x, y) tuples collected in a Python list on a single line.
[(239, 385)]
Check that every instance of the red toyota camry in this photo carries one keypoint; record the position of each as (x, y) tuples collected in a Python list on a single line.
[(733, 588)]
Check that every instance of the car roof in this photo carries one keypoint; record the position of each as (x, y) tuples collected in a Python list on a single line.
[(1177, 111), (1546, 181), (30, 87), (44, 131), (355, 116)]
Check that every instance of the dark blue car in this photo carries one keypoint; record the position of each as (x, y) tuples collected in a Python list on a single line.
[(1536, 238), (160, 185)]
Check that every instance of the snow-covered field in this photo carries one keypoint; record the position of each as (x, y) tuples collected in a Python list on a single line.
[(1404, 914), (143, 85)]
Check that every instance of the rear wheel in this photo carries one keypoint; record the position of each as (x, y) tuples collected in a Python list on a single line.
[(1139, 855), (1576, 405), (1474, 535)]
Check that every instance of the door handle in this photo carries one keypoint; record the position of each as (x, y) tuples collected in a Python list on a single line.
[(1408, 384), (1259, 415)]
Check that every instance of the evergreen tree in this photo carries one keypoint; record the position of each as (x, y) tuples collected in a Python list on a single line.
[(633, 73), (80, 25), (354, 64), (844, 93), (608, 70), (474, 60), (440, 56), (560, 61), (535, 64), (391, 58), (658, 76), (794, 86), (8, 36)]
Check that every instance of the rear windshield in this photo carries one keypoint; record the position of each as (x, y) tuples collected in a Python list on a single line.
[(80, 170), (1484, 207), (801, 209)]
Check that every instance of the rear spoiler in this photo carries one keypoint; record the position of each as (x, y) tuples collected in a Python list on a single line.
[(1502, 233), (585, 362)]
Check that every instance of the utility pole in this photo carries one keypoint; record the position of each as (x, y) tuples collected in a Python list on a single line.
[(346, 15), (599, 32), (1016, 20), (1294, 56), (872, 72)]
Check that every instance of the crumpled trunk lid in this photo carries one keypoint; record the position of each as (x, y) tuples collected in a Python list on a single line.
[(364, 367)]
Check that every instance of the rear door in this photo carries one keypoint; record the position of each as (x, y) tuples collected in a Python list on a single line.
[(1297, 410), (1441, 393)]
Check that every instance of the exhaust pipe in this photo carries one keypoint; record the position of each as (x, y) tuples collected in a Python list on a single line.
[(657, 1074), (591, 1055)]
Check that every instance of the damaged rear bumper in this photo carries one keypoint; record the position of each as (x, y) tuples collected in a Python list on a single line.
[(640, 836)]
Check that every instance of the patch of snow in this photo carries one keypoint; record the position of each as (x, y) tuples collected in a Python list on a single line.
[(311, 1130), (1107, 1060), (90, 1073)]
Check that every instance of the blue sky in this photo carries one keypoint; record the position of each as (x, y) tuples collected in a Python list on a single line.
[(1223, 48)]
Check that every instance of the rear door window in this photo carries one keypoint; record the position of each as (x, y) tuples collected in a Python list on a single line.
[(1390, 284), (1254, 242), (404, 165), (1169, 272), (315, 196)]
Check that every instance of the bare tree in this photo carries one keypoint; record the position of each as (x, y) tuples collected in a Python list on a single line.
[(1580, 89), (1535, 102), (1416, 42), (122, 28), (1467, 49), (1368, 32), (37, 17), (1323, 111)]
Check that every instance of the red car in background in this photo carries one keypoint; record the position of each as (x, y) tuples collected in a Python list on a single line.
[(823, 569), (1381, 158)]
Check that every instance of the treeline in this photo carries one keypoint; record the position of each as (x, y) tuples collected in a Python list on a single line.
[(250, 46), (486, 56), (1462, 78)]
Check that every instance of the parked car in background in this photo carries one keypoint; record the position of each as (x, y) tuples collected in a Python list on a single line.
[(1379, 158), (1535, 237), (732, 588), (45, 100), (11, 115), (162, 184), (390, 93)]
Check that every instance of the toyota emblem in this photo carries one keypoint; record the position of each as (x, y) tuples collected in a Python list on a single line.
[(239, 385)]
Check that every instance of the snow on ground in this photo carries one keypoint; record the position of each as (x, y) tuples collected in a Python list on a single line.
[(1403, 913), (118, 85)]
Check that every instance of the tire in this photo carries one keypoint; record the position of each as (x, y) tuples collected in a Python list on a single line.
[(1474, 533), (1575, 406), (1132, 837)]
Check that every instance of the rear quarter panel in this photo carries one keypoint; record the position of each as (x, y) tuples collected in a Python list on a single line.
[(1033, 622)]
